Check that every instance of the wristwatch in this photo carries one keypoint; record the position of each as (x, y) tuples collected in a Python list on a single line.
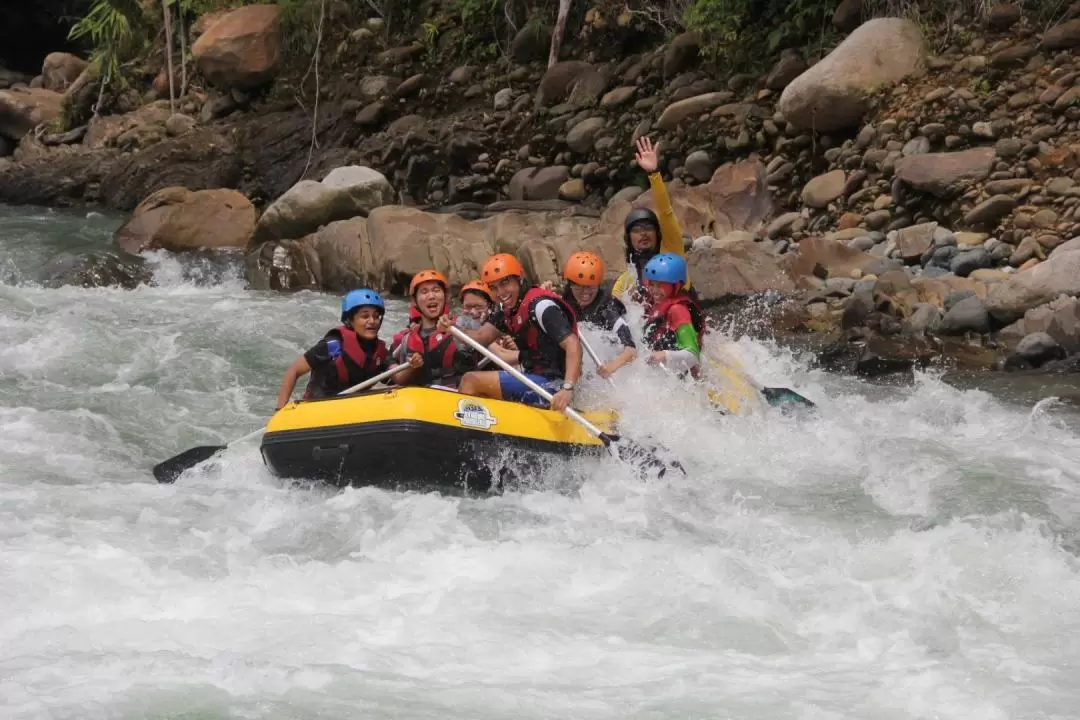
[(568, 386)]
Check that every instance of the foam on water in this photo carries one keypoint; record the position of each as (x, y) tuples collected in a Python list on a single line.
[(907, 554)]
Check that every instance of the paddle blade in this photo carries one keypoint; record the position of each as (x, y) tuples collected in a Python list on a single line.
[(174, 467), (783, 397)]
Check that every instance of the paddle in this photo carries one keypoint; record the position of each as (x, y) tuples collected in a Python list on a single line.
[(645, 455), (592, 353), (775, 396), (169, 470), (573, 414)]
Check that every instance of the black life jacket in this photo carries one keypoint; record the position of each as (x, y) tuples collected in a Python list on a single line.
[(538, 354), (659, 335), (602, 312), (352, 366)]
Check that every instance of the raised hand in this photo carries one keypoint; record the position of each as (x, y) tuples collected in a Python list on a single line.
[(648, 154)]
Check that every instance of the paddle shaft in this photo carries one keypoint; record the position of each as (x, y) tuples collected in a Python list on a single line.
[(570, 412), (385, 375), (592, 353)]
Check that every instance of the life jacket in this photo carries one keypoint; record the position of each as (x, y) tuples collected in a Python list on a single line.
[(438, 352), (353, 365), (538, 354), (659, 335), (602, 312)]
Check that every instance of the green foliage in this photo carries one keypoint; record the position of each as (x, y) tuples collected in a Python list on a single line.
[(746, 32), (483, 11), (115, 30)]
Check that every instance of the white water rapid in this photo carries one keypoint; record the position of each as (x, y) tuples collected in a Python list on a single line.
[(910, 553)]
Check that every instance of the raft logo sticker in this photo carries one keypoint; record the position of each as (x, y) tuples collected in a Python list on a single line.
[(472, 414)]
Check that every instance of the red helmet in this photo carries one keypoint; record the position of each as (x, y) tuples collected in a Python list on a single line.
[(501, 266)]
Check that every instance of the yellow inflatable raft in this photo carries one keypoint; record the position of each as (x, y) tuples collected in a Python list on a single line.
[(418, 438)]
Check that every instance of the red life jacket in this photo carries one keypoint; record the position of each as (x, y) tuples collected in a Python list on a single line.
[(538, 354), (659, 335), (438, 352), (352, 366)]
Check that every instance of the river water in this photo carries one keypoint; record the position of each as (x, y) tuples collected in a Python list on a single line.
[(911, 553)]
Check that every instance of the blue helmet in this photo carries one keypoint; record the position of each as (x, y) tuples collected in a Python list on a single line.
[(666, 268), (359, 298)]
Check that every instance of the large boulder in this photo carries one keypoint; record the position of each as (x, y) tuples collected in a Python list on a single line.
[(23, 109), (395, 242), (140, 128), (538, 183), (178, 219), (344, 193), (832, 95), (736, 198), (737, 268), (690, 109), (561, 80), (103, 268), (1060, 319), (825, 257), (199, 160), (242, 48), (60, 70), (1008, 300), (948, 174)]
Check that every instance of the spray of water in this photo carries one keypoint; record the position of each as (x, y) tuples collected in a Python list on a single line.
[(906, 554)]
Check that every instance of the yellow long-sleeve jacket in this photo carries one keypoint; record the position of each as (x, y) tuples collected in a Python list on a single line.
[(671, 238)]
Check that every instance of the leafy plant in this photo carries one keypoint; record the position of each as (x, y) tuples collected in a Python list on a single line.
[(114, 30), (736, 31)]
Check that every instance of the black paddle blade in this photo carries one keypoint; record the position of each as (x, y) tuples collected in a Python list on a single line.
[(647, 460), (174, 467), (780, 397)]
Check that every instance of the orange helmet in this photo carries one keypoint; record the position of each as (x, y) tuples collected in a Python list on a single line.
[(426, 276), (500, 266), (584, 268), (477, 286)]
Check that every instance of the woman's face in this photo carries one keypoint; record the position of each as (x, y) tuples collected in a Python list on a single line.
[(475, 306), (366, 322), (659, 291)]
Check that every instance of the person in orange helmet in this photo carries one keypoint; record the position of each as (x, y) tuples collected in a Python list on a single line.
[(591, 303), (434, 354), (544, 339), (476, 301)]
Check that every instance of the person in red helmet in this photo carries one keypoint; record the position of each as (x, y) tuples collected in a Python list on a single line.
[(544, 339), (584, 275), (433, 353)]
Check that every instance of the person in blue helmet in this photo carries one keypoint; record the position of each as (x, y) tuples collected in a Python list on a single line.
[(674, 322), (349, 354)]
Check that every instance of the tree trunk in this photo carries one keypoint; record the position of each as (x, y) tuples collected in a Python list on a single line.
[(557, 33), (183, 51), (169, 53)]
